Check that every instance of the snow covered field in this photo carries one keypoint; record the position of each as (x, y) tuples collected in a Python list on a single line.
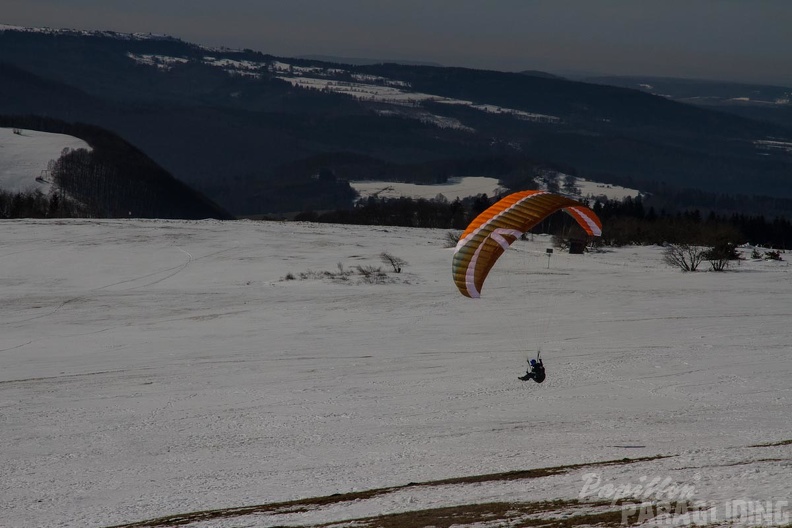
[(150, 368), (24, 156), (473, 185), (455, 188), (611, 192)]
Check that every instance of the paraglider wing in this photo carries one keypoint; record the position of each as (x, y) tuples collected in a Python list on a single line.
[(494, 230)]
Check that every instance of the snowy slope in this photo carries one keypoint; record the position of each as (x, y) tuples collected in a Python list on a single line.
[(150, 368), (24, 158)]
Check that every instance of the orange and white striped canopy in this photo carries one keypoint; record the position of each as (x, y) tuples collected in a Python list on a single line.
[(494, 230)]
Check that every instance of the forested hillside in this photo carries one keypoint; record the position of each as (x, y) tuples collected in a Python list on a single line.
[(112, 180), (262, 134)]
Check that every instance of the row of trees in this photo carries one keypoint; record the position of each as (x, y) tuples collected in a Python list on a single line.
[(624, 221), (628, 221), (406, 212), (35, 204)]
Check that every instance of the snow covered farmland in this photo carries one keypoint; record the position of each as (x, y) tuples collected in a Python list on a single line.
[(472, 186), (612, 192), (151, 368), (372, 88), (455, 188)]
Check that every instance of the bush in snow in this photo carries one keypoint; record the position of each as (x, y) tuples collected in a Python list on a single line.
[(395, 262), (684, 256), (452, 239), (372, 275), (366, 275), (720, 255)]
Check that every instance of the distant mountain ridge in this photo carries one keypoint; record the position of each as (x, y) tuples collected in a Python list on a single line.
[(770, 103), (360, 61), (87, 33), (243, 126), (676, 88)]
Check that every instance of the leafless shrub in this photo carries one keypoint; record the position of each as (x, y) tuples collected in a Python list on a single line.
[(559, 242), (395, 262), (372, 275), (315, 275), (367, 275), (368, 270), (684, 256), (452, 239)]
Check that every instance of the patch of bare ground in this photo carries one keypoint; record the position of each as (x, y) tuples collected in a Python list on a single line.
[(302, 505), (738, 463), (773, 444), (547, 514), (533, 473)]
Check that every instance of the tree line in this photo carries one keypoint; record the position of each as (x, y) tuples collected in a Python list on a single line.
[(36, 204), (629, 221), (625, 222)]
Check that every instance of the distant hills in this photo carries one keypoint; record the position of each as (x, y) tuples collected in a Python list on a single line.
[(703, 91), (359, 61), (756, 101), (263, 134)]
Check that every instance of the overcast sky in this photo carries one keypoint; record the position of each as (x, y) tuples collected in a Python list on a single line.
[(743, 40)]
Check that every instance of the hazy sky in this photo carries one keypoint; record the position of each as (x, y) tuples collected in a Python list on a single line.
[(744, 40)]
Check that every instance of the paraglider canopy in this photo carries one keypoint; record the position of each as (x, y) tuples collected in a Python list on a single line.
[(494, 230)]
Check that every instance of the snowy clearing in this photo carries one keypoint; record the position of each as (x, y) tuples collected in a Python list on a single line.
[(475, 185), (594, 189), (24, 157), (150, 368), (455, 188)]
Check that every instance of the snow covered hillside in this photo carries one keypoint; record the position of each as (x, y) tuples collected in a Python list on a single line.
[(151, 368), (24, 157)]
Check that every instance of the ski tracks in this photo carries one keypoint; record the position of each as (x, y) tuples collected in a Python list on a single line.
[(169, 272)]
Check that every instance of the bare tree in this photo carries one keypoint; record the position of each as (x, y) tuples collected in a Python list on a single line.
[(452, 239), (570, 184), (684, 256), (551, 182), (395, 262)]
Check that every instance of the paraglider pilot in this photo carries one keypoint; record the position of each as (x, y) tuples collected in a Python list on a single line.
[(535, 371)]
